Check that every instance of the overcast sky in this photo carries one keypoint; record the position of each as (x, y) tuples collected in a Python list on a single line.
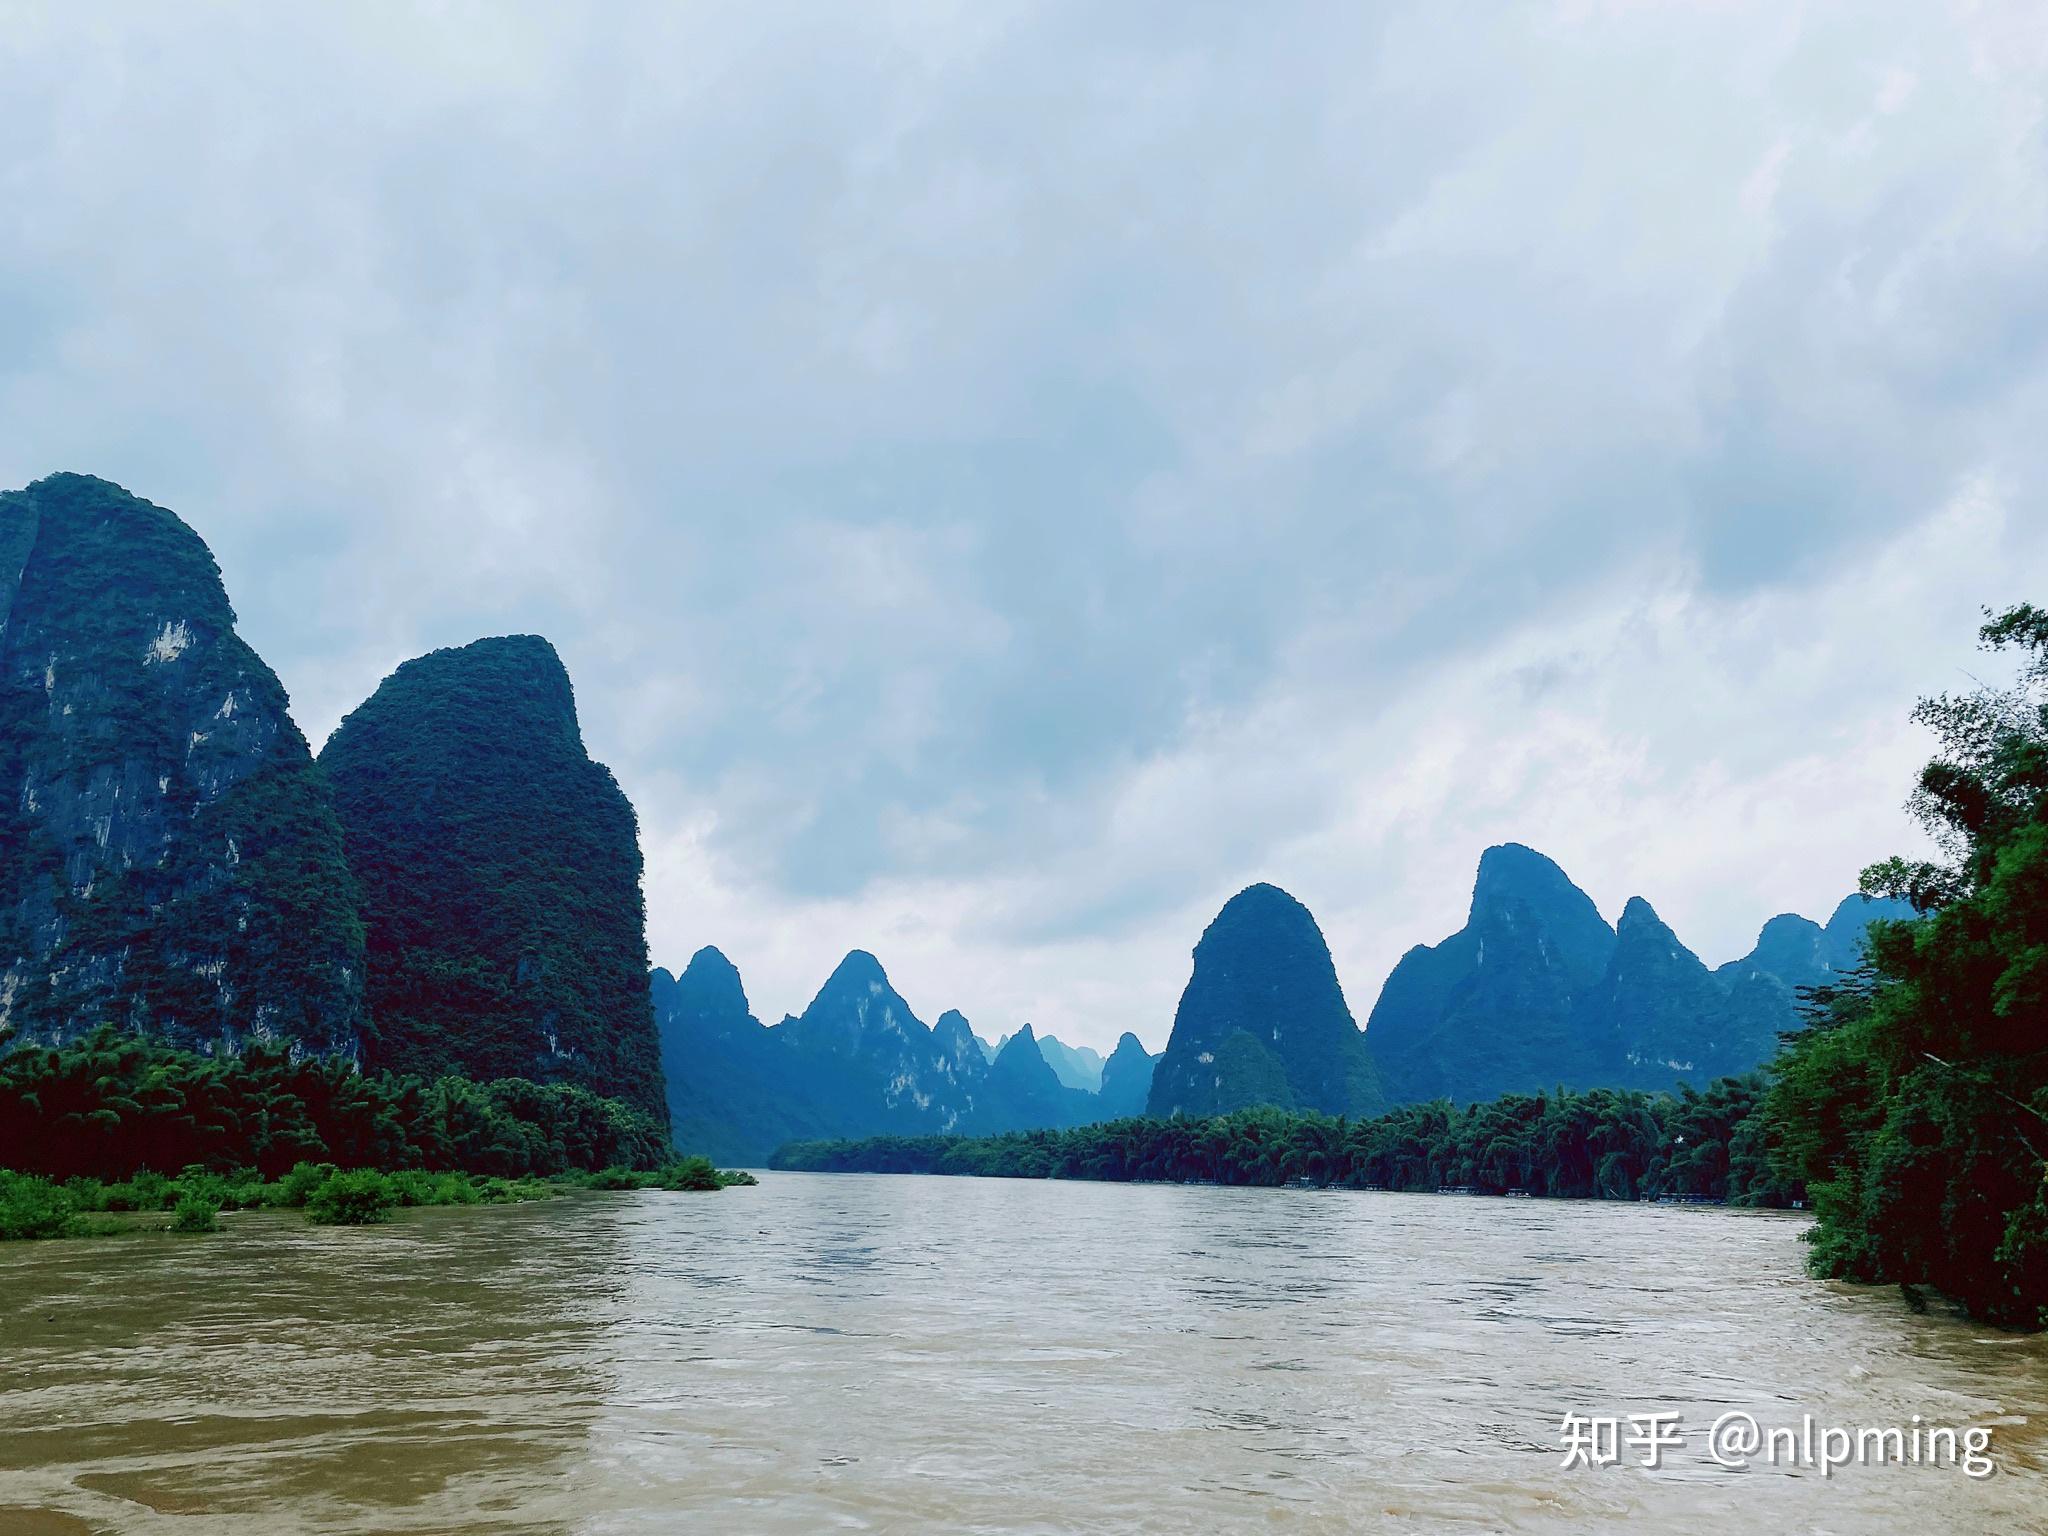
[(1003, 478)]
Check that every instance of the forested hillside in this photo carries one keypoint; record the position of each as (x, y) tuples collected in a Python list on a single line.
[(500, 876)]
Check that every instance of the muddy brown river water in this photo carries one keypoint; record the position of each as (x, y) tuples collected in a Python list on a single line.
[(865, 1353)]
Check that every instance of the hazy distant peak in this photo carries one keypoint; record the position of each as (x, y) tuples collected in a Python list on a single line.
[(714, 981)]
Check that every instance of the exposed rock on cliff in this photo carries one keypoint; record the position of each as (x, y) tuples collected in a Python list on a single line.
[(169, 857)]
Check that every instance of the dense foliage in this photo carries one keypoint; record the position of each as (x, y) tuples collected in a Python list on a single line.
[(169, 856), (1916, 1108), (110, 1104), (1603, 1143), (500, 876)]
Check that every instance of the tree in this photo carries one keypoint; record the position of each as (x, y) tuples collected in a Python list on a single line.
[(1916, 1104)]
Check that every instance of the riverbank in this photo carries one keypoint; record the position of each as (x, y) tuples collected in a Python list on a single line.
[(35, 1208), (1604, 1144)]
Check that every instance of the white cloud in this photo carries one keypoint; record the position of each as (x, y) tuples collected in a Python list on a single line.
[(1003, 477)]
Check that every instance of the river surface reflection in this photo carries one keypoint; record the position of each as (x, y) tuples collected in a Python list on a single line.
[(869, 1353)]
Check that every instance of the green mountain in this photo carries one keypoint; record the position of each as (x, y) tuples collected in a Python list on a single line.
[(1799, 952), (500, 877), (1263, 1020), (1536, 992), (857, 1062), (1025, 1092), (170, 860), (1127, 1079), (1658, 1016), (1490, 1010), (735, 1089)]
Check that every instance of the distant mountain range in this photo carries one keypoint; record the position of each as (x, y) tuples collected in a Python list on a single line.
[(454, 887), (1536, 991), (859, 1062)]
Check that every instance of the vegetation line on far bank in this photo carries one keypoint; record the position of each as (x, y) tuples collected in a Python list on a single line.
[(1602, 1143), (35, 1207)]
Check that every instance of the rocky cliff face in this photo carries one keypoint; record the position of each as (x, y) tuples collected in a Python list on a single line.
[(875, 1063), (169, 858), (1263, 1020), (500, 876), (966, 1051)]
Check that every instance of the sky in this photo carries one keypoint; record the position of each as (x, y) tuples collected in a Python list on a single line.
[(1004, 477)]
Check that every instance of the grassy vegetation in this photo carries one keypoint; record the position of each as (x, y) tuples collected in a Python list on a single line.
[(36, 1207)]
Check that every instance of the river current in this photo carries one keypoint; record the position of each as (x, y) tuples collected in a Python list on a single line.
[(872, 1353)]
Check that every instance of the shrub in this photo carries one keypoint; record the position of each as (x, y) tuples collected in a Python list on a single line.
[(296, 1188), (512, 1191), (85, 1194), (357, 1198), (692, 1173), (34, 1208), (195, 1213), (227, 1192), (417, 1188), (147, 1191), (111, 1103)]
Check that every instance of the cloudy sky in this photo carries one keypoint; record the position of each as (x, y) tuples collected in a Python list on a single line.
[(1005, 477)]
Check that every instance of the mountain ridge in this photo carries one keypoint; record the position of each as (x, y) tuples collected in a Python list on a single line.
[(1513, 1003)]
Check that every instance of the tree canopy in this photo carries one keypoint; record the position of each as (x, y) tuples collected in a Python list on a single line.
[(1916, 1106)]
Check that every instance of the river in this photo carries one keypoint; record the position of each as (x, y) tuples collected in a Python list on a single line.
[(872, 1353)]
